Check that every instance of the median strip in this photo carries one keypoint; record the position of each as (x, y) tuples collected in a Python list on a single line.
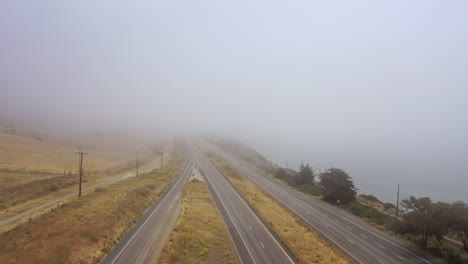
[(200, 235)]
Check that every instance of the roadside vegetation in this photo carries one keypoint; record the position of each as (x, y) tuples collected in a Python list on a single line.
[(200, 235), (422, 222), (303, 242), (84, 230)]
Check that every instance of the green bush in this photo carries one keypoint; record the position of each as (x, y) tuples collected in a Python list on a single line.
[(388, 206), (53, 188), (368, 212), (370, 198), (99, 189)]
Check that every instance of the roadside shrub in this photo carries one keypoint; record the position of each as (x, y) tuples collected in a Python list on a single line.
[(370, 198), (53, 188), (452, 255), (99, 189), (142, 191), (388, 206), (368, 212), (150, 186)]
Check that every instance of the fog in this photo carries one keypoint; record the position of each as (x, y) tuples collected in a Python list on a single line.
[(377, 88)]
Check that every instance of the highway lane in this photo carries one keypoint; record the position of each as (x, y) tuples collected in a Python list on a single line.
[(254, 242), (144, 241), (360, 241)]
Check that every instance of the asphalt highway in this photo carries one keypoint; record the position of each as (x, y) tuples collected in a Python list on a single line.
[(144, 241), (360, 241), (254, 242)]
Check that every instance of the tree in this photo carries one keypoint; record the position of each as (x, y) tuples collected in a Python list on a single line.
[(338, 186), (460, 222), (419, 217), (281, 174), (306, 175)]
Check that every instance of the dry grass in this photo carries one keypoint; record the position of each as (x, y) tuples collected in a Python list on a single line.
[(27, 153), (304, 243), (200, 235), (84, 230)]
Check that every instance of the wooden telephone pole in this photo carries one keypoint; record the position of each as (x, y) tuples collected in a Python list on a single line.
[(162, 154), (137, 165), (81, 153), (397, 202)]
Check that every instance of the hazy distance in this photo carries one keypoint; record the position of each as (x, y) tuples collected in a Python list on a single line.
[(377, 88)]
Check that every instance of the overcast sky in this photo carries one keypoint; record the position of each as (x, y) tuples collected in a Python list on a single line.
[(378, 88)]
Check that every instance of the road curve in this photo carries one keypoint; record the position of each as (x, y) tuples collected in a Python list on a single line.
[(142, 243), (360, 241), (254, 242)]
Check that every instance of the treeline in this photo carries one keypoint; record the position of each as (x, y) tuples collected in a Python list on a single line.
[(423, 221), (429, 220), (334, 185)]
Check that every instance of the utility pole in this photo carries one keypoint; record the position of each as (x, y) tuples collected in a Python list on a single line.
[(137, 164), (162, 154), (81, 153), (397, 202), (286, 164)]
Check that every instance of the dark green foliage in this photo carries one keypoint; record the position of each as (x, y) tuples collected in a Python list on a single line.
[(53, 188), (312, 189), (338, 186), (305, 175), (460, 222), (427, 219), (370, 198), (288, 175), (370, 213), (281, 174), (388, 206)]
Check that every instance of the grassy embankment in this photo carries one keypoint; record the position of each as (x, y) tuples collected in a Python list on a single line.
[(200, 235), (84, 230), (33, 172), (304, 243), (28, 154)]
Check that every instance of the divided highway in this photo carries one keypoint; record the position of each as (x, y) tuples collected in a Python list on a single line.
[(145, 240), (254, 242), (360, 241)]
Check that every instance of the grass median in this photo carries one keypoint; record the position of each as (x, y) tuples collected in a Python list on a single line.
[(302, 241), (200, 235), (84, 230)]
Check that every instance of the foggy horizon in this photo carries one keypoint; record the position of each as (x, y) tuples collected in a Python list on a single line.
[(378, 89)]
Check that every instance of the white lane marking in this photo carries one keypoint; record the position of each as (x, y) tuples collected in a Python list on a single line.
[(250, 227), (363, 236), (327, 225), (349, 228), (350, 241), (320, 231), (254, 215), (380, 246), (232, 221), (400, 257), (262, 245), (337, 221), (381, 262), (152, 213)]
